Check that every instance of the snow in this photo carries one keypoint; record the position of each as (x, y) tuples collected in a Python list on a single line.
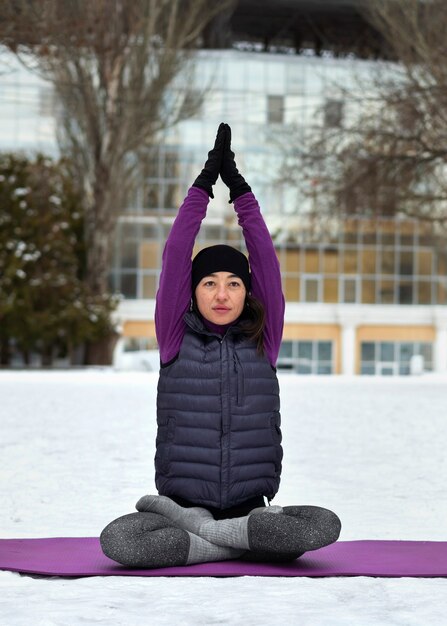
[(77, 451)]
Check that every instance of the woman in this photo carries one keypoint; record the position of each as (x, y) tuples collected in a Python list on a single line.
[(219, 325)]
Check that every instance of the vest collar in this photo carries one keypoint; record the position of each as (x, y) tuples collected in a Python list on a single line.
[(196, 324)]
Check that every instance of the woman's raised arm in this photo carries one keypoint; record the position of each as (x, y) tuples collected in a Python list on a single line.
[(174, 291), (264, 264)]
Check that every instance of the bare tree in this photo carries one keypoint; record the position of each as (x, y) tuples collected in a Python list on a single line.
[(389, 155), (112, 64)]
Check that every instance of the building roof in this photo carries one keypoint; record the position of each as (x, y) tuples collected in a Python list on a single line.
[(336, 26)]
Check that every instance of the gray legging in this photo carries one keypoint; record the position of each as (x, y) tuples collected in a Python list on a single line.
[(150, 540)]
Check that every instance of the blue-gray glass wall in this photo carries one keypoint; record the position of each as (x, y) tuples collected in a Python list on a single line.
[(363, 295)]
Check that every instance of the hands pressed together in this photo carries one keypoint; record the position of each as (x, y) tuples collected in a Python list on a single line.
[(221, 161)]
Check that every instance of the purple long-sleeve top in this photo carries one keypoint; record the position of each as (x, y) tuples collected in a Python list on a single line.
[(174, 292)]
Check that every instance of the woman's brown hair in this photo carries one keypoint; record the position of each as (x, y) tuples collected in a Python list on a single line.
[(252, 322)]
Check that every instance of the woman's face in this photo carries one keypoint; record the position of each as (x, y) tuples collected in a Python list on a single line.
[(220, 297)]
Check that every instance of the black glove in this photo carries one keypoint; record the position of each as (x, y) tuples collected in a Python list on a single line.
[(229, 172), (208, 176)]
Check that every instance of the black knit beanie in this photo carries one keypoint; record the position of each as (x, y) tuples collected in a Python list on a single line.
[(220, 258)]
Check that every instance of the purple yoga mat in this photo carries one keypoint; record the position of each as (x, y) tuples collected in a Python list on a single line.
[(82, 556)]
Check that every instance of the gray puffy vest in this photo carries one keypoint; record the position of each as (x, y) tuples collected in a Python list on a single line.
[(219, 439)]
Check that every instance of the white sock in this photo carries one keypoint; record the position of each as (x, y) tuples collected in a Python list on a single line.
[(232, 533), (202, 551)]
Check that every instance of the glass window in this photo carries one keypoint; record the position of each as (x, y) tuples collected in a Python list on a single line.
[(276, 78), (150, 163), (330, 290), (350, 291), (351, 231), (166, 229), (368, 370), (426, 235), (324, 350), (255, 108), (46, 101), (291, 288), (235, 74), (293, 110), (425, 259), (255, 76), (171, 165), (333, 113), (406, 263), (172, 196), (386, 351), (387, 260), (426, 349), (368, 261), (149, 286), (406, 352), (330, 260), (211, 232), (292, 262), (132, 344), (311, 290), (151, 198), (369, 230), (442, 262), (350, 261), (129, 253), (312, 260), (386, 292), (112, 282), (388, 230), (299, 355), (305, 350), (442, 292), (368, 291), (406, 233), (295, 77), (368, 351), (128, 285), (150, 231), (285, 351), (405, 293), (424, 291), (275, 109)]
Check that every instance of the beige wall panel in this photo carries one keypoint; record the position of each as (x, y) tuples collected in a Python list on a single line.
[(395, 333), (139, 329)]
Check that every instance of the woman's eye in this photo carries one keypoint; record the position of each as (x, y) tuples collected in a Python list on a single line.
[(235, 284), (209, 283)]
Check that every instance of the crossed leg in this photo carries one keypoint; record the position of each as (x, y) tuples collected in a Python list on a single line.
[(149, 540), (164, 534)]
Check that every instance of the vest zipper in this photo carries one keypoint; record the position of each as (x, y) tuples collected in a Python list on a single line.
[(239, 379)]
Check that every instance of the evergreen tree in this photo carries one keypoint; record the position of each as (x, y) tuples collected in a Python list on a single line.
[(45, 304)]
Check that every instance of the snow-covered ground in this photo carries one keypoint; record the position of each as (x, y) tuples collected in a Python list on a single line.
[(77, 451)]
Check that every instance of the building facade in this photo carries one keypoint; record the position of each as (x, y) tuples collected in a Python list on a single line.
[(363, 296)]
